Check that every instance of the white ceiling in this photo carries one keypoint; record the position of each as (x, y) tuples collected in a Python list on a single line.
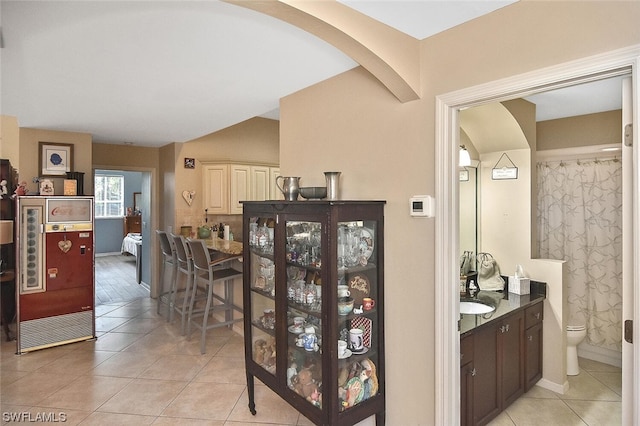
[(155, 72)]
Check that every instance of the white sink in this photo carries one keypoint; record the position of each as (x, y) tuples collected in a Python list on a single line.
[(475, 308)]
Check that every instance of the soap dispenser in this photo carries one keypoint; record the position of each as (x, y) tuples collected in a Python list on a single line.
[(472, 288)]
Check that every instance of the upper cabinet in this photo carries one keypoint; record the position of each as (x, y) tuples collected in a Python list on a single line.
[(226, 185), (216, 188)]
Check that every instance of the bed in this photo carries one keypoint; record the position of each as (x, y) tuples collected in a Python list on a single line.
[(132, 244)]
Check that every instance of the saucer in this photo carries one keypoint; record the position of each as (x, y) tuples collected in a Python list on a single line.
[(292, 329), (347, 353), (361, 351)]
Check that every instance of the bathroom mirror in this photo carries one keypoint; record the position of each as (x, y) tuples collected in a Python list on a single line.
[(469, 209)]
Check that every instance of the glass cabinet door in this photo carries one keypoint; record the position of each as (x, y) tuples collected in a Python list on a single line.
[(262, 271), (358, 344), (304, 306)]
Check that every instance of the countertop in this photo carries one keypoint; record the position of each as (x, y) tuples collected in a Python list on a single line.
[(504, 302), (224, 246)]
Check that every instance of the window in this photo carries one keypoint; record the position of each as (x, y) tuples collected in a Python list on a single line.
[(109, 195)]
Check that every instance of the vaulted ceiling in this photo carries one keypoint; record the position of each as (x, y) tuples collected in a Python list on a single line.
[(155, 72)]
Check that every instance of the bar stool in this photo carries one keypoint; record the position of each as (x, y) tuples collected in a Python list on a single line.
[(184, 266), (209, 273), (168, 259)]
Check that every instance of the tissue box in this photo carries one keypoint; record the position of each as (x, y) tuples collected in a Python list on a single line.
[(519, 285)]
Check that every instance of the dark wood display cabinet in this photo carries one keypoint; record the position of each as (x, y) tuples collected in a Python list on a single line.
[(8, 176), (314, 306)]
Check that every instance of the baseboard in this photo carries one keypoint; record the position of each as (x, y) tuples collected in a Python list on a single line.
[(554, 387), (114, 253), (595, 353)]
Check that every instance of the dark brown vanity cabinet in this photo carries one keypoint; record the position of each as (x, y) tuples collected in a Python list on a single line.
[(499, 361), (485, 399), (533, 345), (314, 306), (467, 373), (511, 358)]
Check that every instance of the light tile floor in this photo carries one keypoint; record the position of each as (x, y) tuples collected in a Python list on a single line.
[(594, 398), (139, 371)]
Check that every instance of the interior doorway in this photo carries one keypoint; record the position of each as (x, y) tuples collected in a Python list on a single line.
[(123, 261), (447, 268)]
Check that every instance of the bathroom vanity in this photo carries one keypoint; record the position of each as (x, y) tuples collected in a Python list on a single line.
[(500, 352)]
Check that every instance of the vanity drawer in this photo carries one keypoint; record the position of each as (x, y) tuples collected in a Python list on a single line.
[(533, 315), (466, 349)]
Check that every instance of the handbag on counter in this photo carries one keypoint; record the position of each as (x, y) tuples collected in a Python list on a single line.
[(489, 273)]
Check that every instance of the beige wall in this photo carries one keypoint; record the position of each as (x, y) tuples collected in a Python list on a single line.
[(28, 167), (9, 139), (256, 140), (591, 129), (385, 150)]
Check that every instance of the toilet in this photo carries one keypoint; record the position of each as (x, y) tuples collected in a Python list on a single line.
[(575, 335)]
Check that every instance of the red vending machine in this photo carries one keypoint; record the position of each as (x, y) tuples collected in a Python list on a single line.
[(55, 271)]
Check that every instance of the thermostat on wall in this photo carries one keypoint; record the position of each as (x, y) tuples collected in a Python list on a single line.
[(422, 206)]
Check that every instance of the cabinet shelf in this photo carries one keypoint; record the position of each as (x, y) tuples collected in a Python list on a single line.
[(257, 251), (307, 239)]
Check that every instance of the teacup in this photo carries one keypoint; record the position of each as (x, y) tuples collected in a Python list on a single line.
[(343, 291), (342, 348), (298, 323), (368, 303), (356, 339)]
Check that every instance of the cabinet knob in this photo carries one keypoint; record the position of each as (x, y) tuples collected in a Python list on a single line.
[(530, 338), (504, 328), (473, 372), (537, 315)]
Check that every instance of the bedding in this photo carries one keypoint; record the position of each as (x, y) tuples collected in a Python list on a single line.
[(131, 242)]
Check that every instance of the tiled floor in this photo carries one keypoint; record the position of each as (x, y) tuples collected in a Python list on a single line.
[(594, 398), (116, 279), (141, 371)]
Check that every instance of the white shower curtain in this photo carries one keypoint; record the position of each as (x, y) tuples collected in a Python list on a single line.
[(580, 221)]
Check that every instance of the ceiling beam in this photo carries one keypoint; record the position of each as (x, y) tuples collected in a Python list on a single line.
[(390, 55)]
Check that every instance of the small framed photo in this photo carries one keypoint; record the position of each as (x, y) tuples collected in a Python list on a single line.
[(189, 163), (56, 159)]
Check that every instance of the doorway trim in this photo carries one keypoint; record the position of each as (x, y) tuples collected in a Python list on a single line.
[(153, 218), (447, 358)]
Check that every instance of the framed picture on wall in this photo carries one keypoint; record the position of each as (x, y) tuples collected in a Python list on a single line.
[(55, 159)]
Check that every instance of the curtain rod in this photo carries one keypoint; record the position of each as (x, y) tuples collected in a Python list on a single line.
[(604, 151)]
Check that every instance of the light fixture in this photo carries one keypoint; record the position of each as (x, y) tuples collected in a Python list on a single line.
[(464, 159)]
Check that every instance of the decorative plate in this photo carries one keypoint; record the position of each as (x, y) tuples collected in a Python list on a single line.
[(354, 386), (366, 244), (360, 288)]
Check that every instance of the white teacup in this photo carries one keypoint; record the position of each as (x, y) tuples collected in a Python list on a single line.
[(343, 291), (298, 323), (356, 339), (342, 348)]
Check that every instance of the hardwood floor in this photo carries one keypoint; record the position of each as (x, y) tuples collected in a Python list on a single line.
[(116, 280)]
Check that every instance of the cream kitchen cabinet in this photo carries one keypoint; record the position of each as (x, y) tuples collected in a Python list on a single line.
[(274, 191), (226, 185), (216, 188)]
